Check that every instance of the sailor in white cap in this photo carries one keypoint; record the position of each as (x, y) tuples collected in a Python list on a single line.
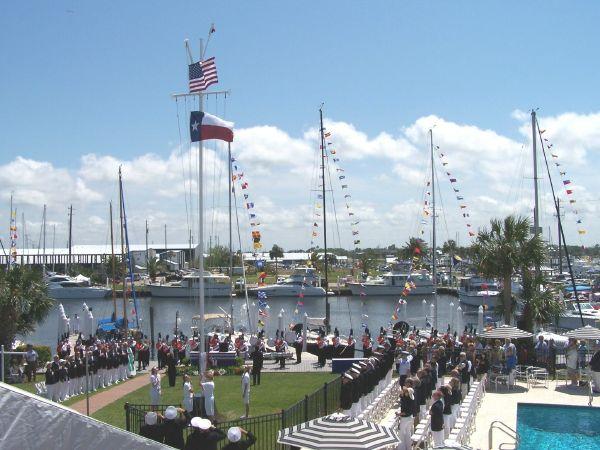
[(173, 425), (151, 428), (234, 434), (204, 435)]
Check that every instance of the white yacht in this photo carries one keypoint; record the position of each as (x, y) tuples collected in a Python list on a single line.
[(303, 281), (393, 283), (571, 320), (477, 291), (215, 285), (64, 287)]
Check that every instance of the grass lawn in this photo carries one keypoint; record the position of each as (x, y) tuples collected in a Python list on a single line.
[(276, 392)]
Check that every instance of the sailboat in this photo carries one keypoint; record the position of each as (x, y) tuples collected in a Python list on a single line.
[(65, 287), (305, 281)]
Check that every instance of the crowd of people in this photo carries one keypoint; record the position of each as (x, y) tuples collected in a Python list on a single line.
[(92, 364), (168, 428)]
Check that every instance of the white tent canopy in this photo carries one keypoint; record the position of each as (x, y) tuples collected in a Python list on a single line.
[(29, 421), (506, 331)]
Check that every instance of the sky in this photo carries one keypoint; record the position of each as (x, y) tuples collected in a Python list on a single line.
[(87, 87)]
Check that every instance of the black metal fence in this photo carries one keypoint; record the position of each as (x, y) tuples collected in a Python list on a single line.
[(323, 401)]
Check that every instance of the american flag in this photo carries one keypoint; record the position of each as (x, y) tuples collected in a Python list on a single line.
[(202, 75)]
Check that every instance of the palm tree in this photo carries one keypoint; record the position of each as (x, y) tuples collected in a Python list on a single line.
[(275, 253), (155, 266), (505, 248), (539, 306), (24, 302), (414, 246), (450, 247)]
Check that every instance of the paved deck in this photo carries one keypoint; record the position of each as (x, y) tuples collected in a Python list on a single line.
[(308, 364), (502, 405)]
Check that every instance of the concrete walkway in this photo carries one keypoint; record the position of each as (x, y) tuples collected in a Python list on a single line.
[(105, 397), (502, 405), (308, 364)]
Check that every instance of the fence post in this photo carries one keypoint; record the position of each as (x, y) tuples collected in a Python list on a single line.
[(282, 419), (306, 408), (127, 417), (325, 398)]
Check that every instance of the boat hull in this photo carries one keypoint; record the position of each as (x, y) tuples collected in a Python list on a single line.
[(572, 322), (76, 293), (375, 289), (188, 292), (491, 301), (288, 291)]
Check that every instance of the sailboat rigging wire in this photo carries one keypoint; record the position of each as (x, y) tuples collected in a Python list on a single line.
[(237, 221), (443, 209), (560, 224), (185, 178), (337, 226)]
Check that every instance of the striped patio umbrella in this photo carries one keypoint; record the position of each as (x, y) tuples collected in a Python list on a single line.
[(587, 332), (506, 332), (336, 432)]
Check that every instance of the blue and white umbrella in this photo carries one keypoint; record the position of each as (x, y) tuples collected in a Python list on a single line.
[(338, 431)]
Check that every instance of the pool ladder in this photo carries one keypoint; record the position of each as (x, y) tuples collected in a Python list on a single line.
[(508, 431)]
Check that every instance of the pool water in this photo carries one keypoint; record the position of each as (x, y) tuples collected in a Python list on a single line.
[(555, 427)]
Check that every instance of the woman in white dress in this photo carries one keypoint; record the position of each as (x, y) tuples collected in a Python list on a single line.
[(155, 388), (208, 388), (188, 394)]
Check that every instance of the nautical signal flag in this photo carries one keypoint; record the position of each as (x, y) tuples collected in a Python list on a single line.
[(205, 126), (249, 205), (569, 191), (565, 182)]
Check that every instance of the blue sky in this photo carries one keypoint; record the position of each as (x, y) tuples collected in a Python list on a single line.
[(83, 78)]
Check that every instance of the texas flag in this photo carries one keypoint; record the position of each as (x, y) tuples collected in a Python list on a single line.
[(205, 126)]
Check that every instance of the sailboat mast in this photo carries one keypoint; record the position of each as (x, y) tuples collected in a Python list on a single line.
[(70, 238), (44, 242), (113, 262), (125, 322), (433, 243), (53, 245), (325, 258), (230, 188), (536, 211), (560, 266)]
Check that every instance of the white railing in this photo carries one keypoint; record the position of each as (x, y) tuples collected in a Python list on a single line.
[(381, 400), (468, 409)]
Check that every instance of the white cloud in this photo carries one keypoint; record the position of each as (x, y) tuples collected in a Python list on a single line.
[(386, 174)]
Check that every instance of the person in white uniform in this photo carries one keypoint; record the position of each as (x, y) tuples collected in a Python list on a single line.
[(155, 388), (208, 388), (188, 394), (246, 391)]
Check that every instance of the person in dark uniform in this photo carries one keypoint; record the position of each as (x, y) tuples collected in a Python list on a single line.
[(173, 427), (204, 436), (151, 428), (171, 369), (50, 381), (348, 352), (448, 422), (257, 364), (407, 407), (234, 434), (437, 419), (298, 346)]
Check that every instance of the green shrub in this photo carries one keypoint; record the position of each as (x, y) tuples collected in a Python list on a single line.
[(43, 351)]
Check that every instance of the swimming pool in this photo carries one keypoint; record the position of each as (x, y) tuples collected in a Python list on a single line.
[(555, 427)]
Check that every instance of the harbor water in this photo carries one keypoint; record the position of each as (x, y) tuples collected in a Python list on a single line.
[(346, 312)]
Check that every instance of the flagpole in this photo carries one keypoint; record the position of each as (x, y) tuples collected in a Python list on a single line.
[(433, 262), (230, 187), (201, 354)]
